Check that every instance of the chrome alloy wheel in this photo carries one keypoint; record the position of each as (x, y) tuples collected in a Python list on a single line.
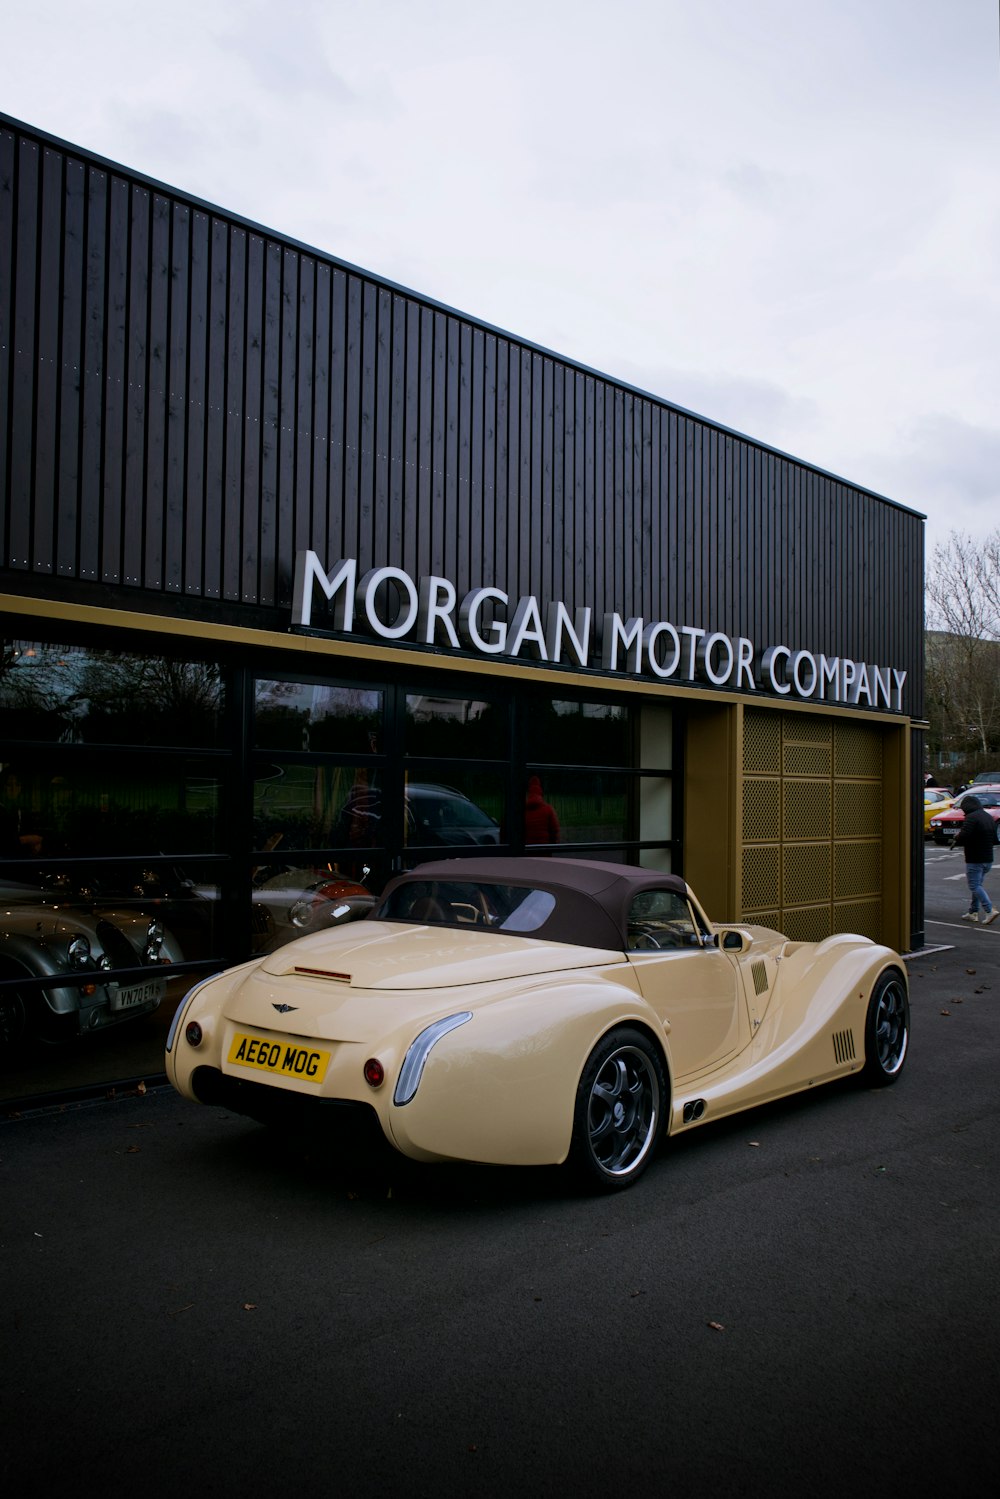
[(623, 1111), (887, 1030), (891, 1027)]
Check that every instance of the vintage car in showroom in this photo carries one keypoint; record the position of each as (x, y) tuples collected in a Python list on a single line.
[(532, 1011), (46, 932)]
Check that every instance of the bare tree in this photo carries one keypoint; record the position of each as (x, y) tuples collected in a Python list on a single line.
[(962, 650)]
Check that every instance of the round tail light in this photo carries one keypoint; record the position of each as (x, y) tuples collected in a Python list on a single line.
[(193, 1033), (374, 1072)]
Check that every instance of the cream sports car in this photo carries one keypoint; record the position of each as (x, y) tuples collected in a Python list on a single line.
[(535, 1011)]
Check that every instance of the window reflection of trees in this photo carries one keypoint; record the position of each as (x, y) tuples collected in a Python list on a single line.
[(79, 695)]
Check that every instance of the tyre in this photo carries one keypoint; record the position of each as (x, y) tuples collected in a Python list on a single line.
[(619, 1111), (887, 1030)]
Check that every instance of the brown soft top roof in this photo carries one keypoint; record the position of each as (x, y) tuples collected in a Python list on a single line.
[(592, 898)]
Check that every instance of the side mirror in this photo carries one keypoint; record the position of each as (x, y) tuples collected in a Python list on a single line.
[(734, 939)]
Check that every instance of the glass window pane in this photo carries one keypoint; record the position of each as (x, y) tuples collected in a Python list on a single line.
[(655, 808), (466, 728), (656, 729), (66, 805), (660, 919), (86, 923), (297, 899), (316, 806), (317, 716), (463, 811), (578, 733), (567, 806), (129, 1046), (80, 695)]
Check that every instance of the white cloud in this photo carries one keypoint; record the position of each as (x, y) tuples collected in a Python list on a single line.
[(785, 216)]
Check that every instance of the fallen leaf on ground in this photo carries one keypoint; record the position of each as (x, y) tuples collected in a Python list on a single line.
[(249, 1306), (754, 1143), (945, 1012), (717, 1326)]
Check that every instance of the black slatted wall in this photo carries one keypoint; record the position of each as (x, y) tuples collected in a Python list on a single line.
[(186, 400)]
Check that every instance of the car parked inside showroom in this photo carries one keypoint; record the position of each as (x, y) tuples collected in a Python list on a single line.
[(48, 933), (533, 1011)]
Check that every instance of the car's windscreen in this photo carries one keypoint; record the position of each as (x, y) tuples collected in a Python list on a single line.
[(516, 909), (989, 798)]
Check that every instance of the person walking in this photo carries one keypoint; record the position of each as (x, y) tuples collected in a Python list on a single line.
[(977, 836)]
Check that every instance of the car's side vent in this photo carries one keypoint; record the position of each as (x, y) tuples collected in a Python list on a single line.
[(843, 1046), (759, 971)]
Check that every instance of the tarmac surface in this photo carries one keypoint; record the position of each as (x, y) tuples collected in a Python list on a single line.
[(803, 1298)]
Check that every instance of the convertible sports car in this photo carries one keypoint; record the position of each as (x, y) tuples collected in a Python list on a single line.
[(534, 1011)]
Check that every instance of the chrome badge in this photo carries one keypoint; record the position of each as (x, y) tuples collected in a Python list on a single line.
[(283, 1009)]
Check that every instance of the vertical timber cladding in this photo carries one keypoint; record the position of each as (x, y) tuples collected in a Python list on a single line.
[(812, 844)]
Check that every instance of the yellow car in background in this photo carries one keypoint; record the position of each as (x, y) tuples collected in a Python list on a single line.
[(935, 800)]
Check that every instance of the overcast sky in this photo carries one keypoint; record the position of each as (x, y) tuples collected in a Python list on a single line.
[(781, 214)]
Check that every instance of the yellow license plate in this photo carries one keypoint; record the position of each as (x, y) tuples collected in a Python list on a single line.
[(279, 1058)]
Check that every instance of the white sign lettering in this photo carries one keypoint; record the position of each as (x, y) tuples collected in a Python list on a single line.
[(388, 604)]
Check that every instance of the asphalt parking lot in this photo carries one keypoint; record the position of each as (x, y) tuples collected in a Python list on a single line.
[(802, 1298)]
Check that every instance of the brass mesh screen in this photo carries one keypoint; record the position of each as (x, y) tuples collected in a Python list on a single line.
[(857, 750), (761, 742), (807, 924), (761, 876), (812, 824), (763, 918), (857, 869), (806, 809), (861, 916), (858, 809), (761, 810), (806, 873), (798, 728), (806, 759)]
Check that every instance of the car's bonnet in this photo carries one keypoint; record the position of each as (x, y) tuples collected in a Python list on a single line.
[(390, 955)]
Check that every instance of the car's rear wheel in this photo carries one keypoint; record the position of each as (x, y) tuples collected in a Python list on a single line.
[(620, 1104), (887, 1030)]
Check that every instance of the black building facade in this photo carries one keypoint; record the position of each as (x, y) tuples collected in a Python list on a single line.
[(305, 575)]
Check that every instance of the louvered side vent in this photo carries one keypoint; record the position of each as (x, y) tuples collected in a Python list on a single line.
[(759, 971), (843, 1046)]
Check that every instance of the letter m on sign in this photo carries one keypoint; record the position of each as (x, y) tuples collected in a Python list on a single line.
[(338, 586)]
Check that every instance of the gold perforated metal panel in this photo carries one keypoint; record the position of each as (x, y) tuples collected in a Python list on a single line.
[(857, 749), (805, 873), (806, 924), (863, 917), (857, 870), (812, 824), (761, 743), (761, 876), (763, 918), (761, 810), (858, 809), (806, 812)]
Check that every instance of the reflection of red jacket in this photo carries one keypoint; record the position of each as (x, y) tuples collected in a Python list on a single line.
[(541, 825)]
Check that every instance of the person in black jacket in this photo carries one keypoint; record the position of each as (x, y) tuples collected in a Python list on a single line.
[(978, 836)]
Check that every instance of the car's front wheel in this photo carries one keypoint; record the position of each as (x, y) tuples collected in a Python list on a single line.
[(620, 1103), (887, 1030)]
